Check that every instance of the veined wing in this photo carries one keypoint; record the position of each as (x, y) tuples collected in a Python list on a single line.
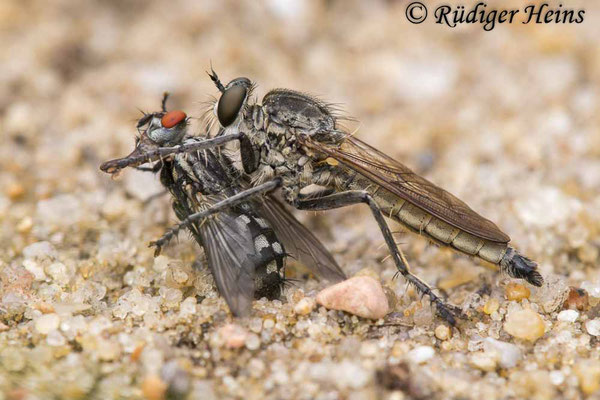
[(230, 249), (299, 241), (400, 180)]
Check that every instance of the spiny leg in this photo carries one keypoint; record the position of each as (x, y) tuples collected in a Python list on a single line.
[(113, 166), (446, 311), (215, 208)]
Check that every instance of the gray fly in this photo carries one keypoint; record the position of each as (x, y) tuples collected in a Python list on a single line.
[(246, 244)]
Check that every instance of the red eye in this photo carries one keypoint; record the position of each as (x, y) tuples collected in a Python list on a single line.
[(172, 118)]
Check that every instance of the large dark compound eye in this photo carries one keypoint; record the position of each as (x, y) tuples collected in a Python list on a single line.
[(230, 104)]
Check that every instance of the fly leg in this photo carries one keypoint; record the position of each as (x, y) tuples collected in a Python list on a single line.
[(137, 158), (446, 311), (215, 208)]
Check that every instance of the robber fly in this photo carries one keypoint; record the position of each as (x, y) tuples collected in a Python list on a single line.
[(246, 243)]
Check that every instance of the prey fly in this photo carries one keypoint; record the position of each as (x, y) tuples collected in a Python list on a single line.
[(245, 243)]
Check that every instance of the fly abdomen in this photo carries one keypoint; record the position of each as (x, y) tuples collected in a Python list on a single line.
[(423, 223), (269, 257)]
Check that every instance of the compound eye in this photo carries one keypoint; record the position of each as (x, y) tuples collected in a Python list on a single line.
[(230, 104), (172, 118)]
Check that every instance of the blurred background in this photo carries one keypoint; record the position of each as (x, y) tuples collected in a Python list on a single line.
[(507, 120)]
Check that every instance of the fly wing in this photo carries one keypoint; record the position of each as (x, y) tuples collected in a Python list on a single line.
[(229, 249), (299, 241), (400, 180)]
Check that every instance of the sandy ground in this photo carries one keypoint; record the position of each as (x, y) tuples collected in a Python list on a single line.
[(505, 119)]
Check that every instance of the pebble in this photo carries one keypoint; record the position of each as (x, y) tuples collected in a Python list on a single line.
[(483, 361), (252, 342), (39, 250), (361, 295), (507, 354), (154, 388), (15, 190), (577, 299), (525, 324), (557, 377), (593, 327), (567, 316), (47, 323), (305, 306), (233, 336), (516, 291), (420, 354), (442, 332), (491, 306), (35, 269), (55, 338)]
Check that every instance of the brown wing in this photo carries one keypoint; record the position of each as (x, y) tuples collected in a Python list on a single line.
[(400, 180)]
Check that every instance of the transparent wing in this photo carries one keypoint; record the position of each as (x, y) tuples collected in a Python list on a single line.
[(230, 249), (299, 241), (400, 180)]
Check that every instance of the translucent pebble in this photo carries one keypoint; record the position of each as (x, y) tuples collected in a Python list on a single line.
[(442, 332), (252, 342), (188, 307), (233, 336), (557, 377), (161, 263), (516, 291), (58, 272), (593, 327), (507, 354), (491, 306), (255, 325), (268, 323), (349, 374), (39, 250), (525, 324), (567, 316), (256, 367), (305, 306), (98, 325), (483, 361), (153, 388), (35, 269), (47, 323), (552, 294), (420, 354), (55, 338), (593, 288), (108, 350), (171, 297)]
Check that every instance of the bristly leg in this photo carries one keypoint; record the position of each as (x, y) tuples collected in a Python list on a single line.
[(215, 208), (447, 311), (521, 267)]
